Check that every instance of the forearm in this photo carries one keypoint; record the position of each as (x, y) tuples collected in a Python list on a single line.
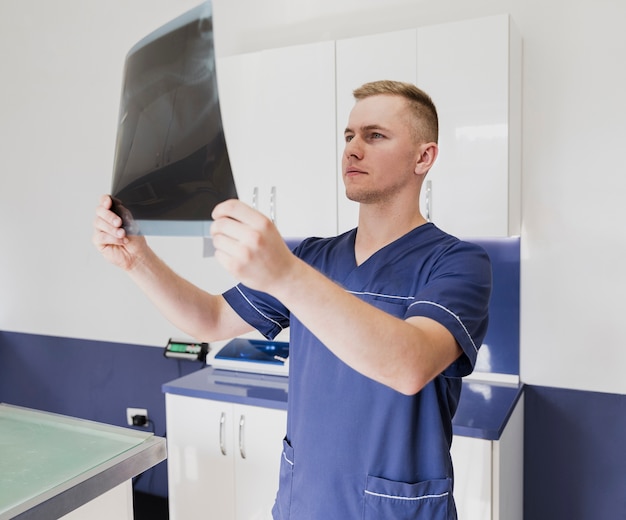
[(197, 313), (394, 352)]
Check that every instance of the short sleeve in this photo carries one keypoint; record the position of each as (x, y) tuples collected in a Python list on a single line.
[(457, 295), (260, 310)]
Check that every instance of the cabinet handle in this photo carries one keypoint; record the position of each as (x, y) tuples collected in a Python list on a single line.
[(429, 200), (222, 427), (273, 204), (242, 449), (255, 198)]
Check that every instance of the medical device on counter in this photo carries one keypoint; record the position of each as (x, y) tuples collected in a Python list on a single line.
[(189, 350), (251, 355)]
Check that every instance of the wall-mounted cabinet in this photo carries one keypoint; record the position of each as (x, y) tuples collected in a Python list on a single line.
[(472, 70), (285, 112), (278, 108)]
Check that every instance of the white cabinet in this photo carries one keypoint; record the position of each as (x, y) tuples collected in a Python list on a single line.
[(285, 110), (116, 503), (489, 474), (472, 70), (223, 458), (278, 109)]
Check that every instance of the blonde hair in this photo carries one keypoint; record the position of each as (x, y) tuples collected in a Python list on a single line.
[(421, 106)]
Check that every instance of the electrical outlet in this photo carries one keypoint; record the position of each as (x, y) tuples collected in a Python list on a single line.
[(132, 412)]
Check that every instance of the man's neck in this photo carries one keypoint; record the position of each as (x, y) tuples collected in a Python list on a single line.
[(377, 229)]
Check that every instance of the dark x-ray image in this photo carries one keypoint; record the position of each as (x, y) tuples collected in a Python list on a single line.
[(171, 161)]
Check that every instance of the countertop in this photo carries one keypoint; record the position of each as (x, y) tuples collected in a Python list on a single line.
[(267, 391), (483, 412), (51, 464)]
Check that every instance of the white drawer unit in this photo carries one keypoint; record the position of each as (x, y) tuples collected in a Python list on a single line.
[(223, 458)]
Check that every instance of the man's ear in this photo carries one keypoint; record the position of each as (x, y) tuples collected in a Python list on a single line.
[(427, 156)]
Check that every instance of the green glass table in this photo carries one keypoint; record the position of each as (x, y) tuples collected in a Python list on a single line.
[(52, 464)]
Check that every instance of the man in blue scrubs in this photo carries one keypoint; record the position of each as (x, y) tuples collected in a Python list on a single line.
[(384, 321)]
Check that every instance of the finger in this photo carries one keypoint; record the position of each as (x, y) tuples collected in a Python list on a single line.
[(237, 210), (102, 223), (233, 237), (230, 253), (103, 240), (108, 216), (106, 201), (104, 212), (223, 209), (109, 224)]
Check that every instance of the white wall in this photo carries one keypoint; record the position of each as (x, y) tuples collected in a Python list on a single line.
[(61, 64), (62, 73)]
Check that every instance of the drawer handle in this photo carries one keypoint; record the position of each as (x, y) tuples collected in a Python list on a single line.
[(222, 427), (255, 198), (273, 204), (242, 449), (429, 200)]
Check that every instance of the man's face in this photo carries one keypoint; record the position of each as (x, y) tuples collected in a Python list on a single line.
[(380, 155)]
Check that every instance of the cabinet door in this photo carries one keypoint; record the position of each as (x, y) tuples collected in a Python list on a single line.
[(116, 503), (472, 71), (278, 108), (472, 462), (259, 433), (200, 458), (360, 60)]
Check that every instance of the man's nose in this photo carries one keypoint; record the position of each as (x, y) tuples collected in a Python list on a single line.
[(353, 148)]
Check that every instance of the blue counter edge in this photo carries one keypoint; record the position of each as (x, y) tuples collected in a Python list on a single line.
[(500, 419), (488, 419), (197, 385)]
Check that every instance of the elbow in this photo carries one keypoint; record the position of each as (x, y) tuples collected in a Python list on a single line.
[(410, 386), (407, 384)]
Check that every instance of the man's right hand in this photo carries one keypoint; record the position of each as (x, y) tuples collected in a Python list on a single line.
[(111, 239)]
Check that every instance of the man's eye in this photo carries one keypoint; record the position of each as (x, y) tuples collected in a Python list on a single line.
[(349, 138), (376, 135)]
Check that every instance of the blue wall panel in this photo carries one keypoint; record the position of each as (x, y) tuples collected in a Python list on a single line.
[(574, 460), (574, 455), (499, 352)]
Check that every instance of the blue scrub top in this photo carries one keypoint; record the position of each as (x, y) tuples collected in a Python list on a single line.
[(357, 449)]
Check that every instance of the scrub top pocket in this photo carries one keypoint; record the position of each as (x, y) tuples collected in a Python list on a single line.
[(428, 500), (282, 506)]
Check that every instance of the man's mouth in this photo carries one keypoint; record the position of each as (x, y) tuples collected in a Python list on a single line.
[(351, 172)]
